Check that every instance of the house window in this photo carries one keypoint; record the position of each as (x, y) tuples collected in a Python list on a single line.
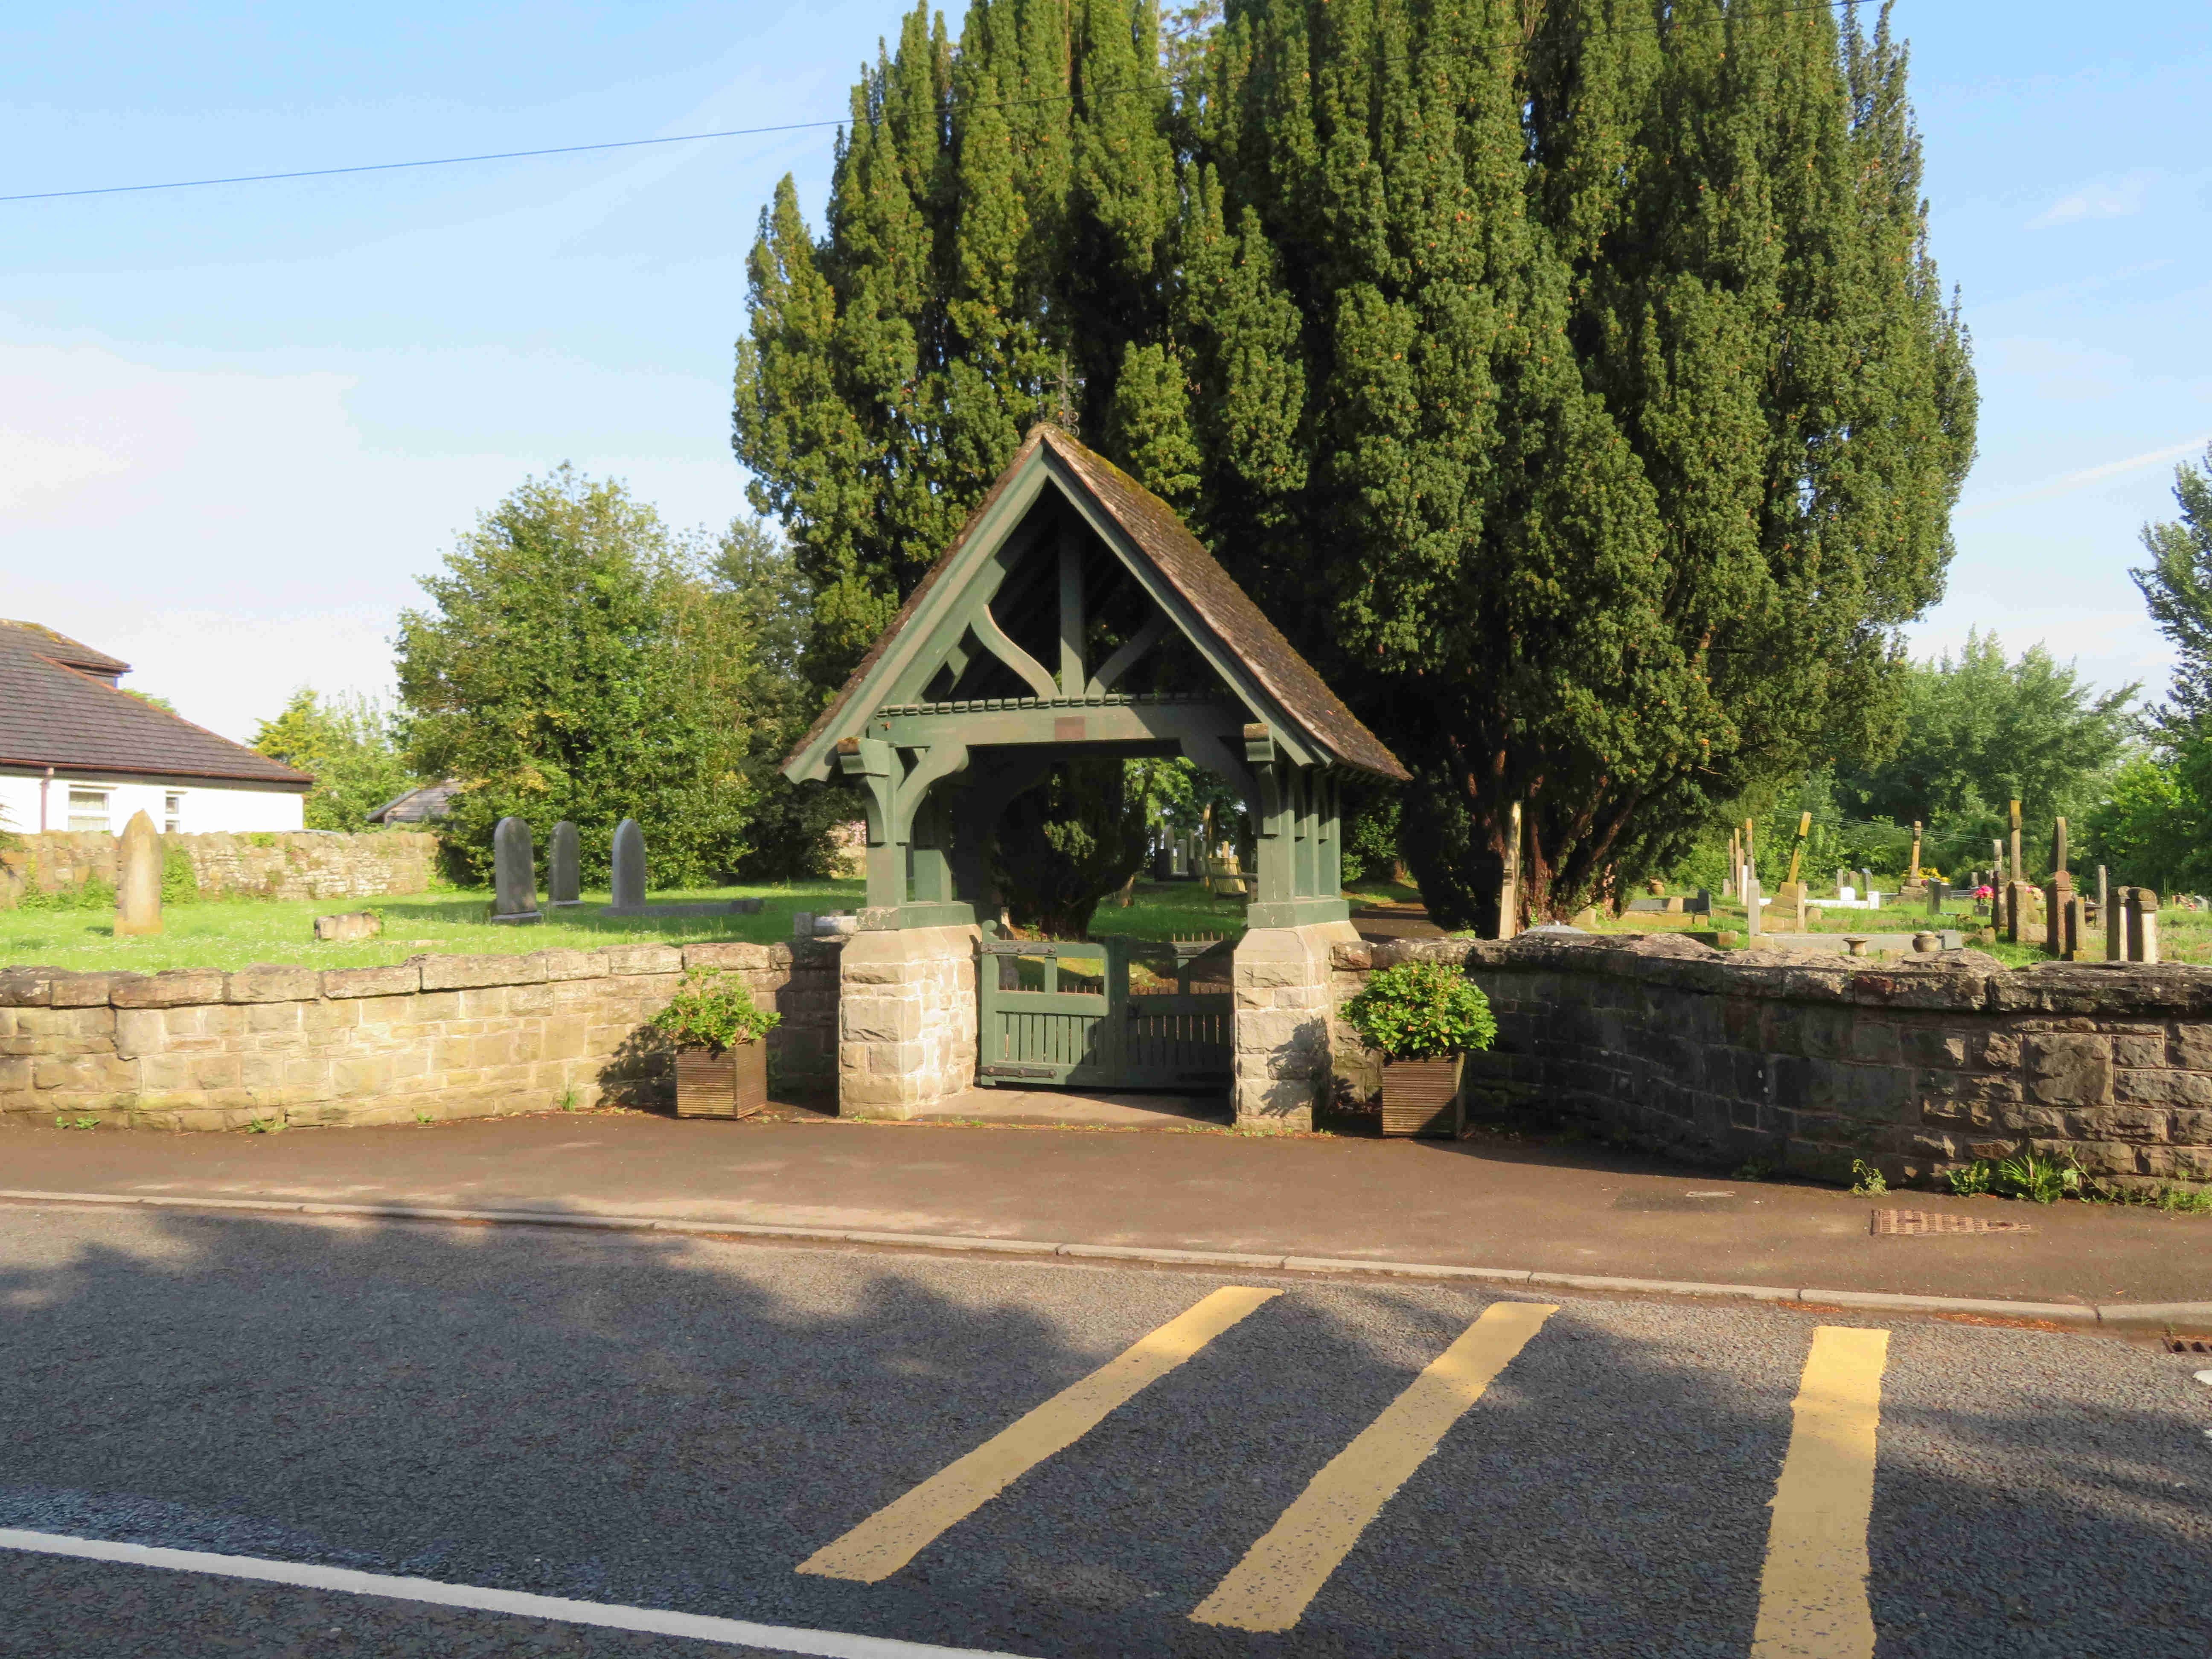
[(88, 810), (173, 813)]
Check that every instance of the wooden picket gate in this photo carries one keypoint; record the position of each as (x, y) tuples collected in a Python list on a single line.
[(1100, 1013)]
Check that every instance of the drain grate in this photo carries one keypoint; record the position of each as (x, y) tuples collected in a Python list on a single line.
[(1923, 1224)]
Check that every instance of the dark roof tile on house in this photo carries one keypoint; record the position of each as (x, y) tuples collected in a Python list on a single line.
[(59, 708), (72, 654), (1180, 557)]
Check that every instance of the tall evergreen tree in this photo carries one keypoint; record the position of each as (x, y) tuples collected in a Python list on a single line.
[(1598, 348)]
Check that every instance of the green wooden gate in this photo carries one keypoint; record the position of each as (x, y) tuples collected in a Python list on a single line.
[(1110, 1013)]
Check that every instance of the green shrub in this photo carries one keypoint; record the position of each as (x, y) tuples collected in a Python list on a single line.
[(713, 1010), (180, 882), (1422, 1010)]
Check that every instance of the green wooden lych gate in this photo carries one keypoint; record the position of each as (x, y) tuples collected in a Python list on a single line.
[(1066, 1012)]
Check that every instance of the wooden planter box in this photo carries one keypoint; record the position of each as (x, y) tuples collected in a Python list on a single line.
[(726, 1082), (1421, 1096)]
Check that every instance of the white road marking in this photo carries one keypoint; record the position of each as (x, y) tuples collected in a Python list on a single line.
[(777, 1638)]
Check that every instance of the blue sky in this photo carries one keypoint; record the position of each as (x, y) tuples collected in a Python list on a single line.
[(237, 424)]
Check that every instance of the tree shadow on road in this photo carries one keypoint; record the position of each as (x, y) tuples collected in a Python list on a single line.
[(679, 1422)]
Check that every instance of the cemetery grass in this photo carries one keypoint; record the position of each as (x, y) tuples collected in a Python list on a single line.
[(2184, 935), (453, 922), (449, 922)]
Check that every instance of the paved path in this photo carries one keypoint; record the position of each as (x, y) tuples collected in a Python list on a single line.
[(1479, 1202), (1052, 1459)]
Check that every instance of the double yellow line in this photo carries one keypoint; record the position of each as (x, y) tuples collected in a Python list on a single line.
[(1813, 1592)]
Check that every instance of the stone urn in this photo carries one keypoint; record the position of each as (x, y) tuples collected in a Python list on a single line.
[(730, 1082), (1421, 1096)]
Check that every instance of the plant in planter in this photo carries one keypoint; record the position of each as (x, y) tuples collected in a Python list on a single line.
[(1424, 1017), (721, 1062)]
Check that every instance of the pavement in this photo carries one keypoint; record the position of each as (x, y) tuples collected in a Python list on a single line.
[(871, 1451), (1487, 1202)]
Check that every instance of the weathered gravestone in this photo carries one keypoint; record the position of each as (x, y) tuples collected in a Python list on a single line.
[(353, 925), (513, 873), (2061, 920), (561, 867), (628, 878), (138, 879)]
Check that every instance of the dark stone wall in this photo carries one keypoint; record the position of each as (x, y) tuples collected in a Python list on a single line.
[(1915, 1067)]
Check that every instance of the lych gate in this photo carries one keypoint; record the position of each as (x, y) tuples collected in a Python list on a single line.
[(955, 713)]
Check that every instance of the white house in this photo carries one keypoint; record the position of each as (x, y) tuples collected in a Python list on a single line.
[(77, 752)]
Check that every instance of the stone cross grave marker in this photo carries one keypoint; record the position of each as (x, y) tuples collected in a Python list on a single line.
[(561, 867), (513, 873), (628, 866), (138, 879)]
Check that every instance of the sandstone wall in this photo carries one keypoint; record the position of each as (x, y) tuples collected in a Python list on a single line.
[(305, 864), (436, 1036), (1916, 1067)]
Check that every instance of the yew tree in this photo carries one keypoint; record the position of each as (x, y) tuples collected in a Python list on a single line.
[(1573, 385)]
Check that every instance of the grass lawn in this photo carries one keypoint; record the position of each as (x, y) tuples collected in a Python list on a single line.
[(2184, 935), (452, 921), (241, 932)]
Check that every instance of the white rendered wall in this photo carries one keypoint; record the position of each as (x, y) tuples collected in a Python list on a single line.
[(203, 809)]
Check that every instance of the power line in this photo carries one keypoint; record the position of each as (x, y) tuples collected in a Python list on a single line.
[(756, 132)]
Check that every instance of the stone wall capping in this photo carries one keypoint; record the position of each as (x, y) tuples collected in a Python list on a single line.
[(402, 978), (469, 972), (562, 965), (273, 983), (174, 988), (27, 987), (643, 959)]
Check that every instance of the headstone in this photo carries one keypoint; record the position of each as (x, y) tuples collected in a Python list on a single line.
[(1846, 894), (138, 879), (1842, 880), (1751, 906), (802, 924), (354, 925), (628, 866), (1865, 882), (1915, 874), (2104, 893), (2071, 923), (513, 873), (2142, 906), (1938, 890), (2019, 870), (1702, 903), (561, 867)]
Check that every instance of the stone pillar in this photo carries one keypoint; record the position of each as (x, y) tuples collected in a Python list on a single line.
[(1280, 1025), (138, 879), (906, 1020)]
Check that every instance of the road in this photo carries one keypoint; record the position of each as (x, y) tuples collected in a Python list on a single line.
[(1048, 1459)]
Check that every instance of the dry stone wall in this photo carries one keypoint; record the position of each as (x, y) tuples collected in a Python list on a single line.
[(1916, 1067), (304, 864), (435, 1037)]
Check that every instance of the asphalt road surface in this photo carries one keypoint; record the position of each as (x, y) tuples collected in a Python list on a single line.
[(1044, 1458)]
